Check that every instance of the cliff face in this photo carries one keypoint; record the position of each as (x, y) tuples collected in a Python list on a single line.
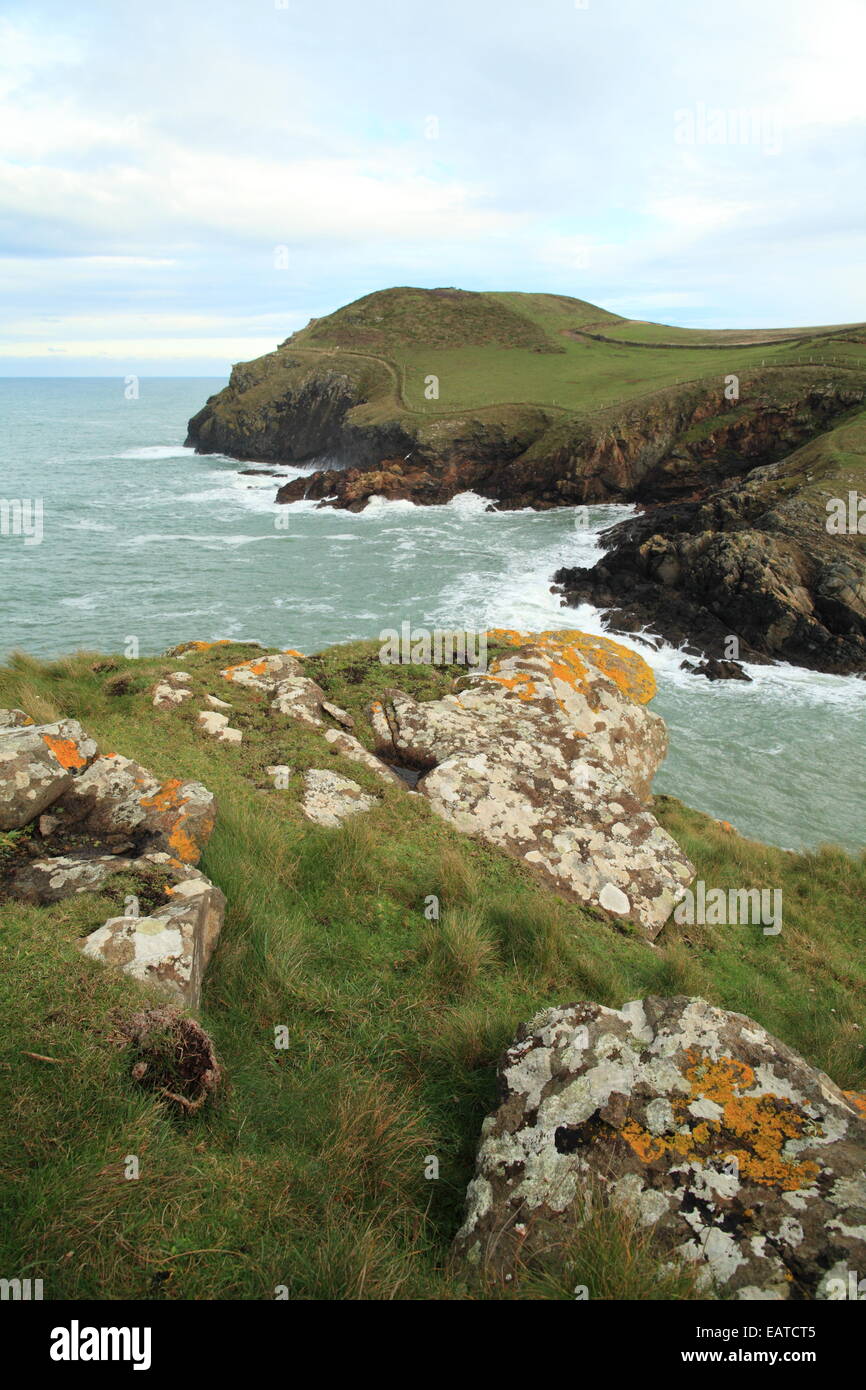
[(674, 443), (281, 410), (755, 560), (730, 553)]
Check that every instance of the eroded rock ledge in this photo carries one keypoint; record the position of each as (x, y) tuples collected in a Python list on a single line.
[(95, 816), (754, 561), (550, 754)]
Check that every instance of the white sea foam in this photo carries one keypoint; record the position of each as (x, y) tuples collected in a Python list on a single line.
[(157, 451)]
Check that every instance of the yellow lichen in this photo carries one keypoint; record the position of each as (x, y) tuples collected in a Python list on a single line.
[(751, 1129), (628, 671), (66, 752)]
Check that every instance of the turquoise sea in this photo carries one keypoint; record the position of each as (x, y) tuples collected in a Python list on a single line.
[(143, 538)]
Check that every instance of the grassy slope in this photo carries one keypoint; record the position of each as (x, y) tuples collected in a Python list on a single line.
[(508, 348), (308, 1171)]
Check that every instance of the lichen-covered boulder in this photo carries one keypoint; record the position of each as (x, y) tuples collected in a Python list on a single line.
[(550, 754), (329, 797), (217, 725), (263, 673), (38, 762), (281, 676), (116, 795), (746, 1161), (300, 698), (180, 816), (14, 719), (172, 690), (576, 824), (65, 875), (350, 747), (169, 949)]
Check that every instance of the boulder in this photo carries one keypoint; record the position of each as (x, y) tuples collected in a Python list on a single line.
[(576, 824), (172, 690), (281, 676), (263, 673), (168, 950), (180, 817), (14, 719), (38, 763), (217, 725), (330, 798), (747, 1162), (116, 795), (339, 714), (300, 698), (349, 747), (50, 880), (715, 669), (550, 754)]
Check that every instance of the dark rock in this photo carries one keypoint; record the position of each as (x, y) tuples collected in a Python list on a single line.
[(716, 670)]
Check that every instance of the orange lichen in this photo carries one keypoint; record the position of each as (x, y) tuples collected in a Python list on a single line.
[(628, 671), (751, 1129), (66, 752), (256, 668), (522, 685), (291, 651), (165, 801), (857, 1099)]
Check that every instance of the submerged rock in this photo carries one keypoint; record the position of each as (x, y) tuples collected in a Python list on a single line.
[(716, 670), (747, 1162)]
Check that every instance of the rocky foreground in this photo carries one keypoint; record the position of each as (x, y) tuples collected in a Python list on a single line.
[(746, 1162)]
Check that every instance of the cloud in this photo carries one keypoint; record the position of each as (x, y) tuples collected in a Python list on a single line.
[(154, 158)]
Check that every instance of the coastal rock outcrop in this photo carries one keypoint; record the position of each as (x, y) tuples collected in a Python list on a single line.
[(170, 947), (282, 678), (109, 815), (747, 1162), (755, 560), (329, 798), (549, 754), (38, 763)]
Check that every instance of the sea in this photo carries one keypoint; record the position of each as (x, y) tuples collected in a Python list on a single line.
[(134, 536)]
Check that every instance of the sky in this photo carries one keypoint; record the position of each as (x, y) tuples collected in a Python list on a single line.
[(184, 184)]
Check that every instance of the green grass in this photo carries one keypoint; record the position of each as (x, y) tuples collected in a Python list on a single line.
[(308, 1169), (531, 349)]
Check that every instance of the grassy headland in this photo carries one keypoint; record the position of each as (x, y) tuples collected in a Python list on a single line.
[(308, 1171)]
